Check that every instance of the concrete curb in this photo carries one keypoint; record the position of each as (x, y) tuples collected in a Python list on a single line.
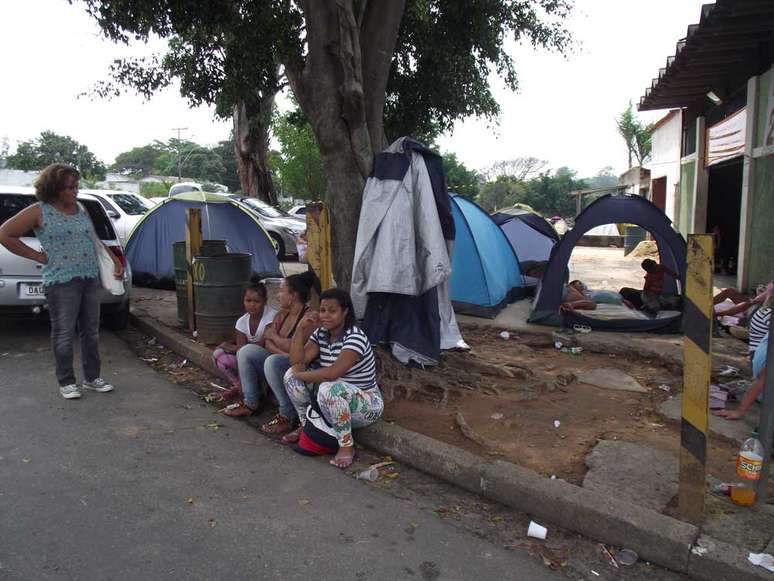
[(657, 538)]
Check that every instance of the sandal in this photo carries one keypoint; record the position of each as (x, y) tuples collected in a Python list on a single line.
[(278, 425), (292, 437), (343, 462), (239, 410)]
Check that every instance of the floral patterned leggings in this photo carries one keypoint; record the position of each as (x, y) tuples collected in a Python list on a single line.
[(343, 405)]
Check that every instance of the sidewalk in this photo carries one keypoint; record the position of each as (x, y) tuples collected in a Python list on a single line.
[(717, 550)]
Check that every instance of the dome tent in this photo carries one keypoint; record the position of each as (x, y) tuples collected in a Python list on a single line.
[(485, 271), (149, 248), (612, 208), (530, 236)]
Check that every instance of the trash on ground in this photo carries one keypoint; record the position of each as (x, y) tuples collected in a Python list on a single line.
[(584, 329), (626, 557), (557, 423), (665, 387), (195, 334), (607, 555), (699, 550), (558, 344), (594, 572), (536, 531), (304, 501), (212, 522), (213, 425), (216, 386), (572, 350), (717, 397), (724, 488), (152, 341), (190, 500), (149, 359), (728, 371), (505, 335), (762, 560), (182, 363), (371, 474), (497, 416)]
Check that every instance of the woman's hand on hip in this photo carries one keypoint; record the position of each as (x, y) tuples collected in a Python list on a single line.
[(118, 269)]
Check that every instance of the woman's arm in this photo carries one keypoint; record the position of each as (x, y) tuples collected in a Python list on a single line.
[(118, 268), (16, 227), (582, 305), (345, 361), (735, 310)]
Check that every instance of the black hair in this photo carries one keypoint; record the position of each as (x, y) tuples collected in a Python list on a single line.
[(303, 284), (648, 264), (256, 286), (345, 302)]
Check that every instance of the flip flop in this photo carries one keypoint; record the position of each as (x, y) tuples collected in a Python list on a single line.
[(578, 328)]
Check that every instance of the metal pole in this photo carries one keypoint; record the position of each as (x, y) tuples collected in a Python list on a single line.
[(177, 149), (697, 369), (766, 422)]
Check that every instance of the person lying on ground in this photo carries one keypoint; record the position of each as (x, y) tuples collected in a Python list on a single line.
[(575, 298), (267, 363), (249, 328), (741, 301), (756, 389), (344, 386), (651, 298)]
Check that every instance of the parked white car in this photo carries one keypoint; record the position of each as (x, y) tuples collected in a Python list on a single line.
[(122, 209), (299, 211), (21, 281), (185, 187), (281, 226)]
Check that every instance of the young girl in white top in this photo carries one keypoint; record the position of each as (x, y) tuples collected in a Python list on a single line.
[(248, 329)]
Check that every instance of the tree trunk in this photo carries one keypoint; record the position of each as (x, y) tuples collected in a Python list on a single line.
[(252, 122), (341, 90)]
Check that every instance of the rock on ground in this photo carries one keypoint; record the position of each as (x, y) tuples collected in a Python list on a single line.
[(608, 378), (640, 475)]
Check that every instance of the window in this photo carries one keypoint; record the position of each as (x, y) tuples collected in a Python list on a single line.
[(265, 209), (182, 189), (129, 204), (100, 220), (12, 204)]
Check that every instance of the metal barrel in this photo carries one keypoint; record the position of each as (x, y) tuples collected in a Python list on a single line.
[(632, 237), (219, 283), (209, 248)]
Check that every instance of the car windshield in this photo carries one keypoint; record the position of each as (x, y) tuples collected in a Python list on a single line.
[(129, 204), (265, 209), (12, 204)]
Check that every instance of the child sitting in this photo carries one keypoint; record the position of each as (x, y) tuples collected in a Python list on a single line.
[(248, 329), (651, 298)]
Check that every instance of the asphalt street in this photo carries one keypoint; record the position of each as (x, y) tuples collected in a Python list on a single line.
[(147, 483)]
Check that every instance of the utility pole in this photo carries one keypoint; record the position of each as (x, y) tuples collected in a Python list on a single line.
[(177, 149)]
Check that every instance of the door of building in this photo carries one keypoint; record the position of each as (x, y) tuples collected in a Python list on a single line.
[(658, 193)]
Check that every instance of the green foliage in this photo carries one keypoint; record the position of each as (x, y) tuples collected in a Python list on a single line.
[(227, 154), (161, 158), (459, 179), (549, 193), (50, 148), (298, 163), (605, 178), (138, 161), (502, 192), (446, 52), (636, 135), (155, 189)]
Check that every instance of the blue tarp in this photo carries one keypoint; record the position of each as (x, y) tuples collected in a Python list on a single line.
[(485, 271), (149, 249)]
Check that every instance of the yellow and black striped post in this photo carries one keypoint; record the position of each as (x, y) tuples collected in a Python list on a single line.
[(697, 368)]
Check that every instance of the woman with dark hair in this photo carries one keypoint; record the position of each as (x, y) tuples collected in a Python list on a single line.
[(70, 272), (344, 386), (269, 362)]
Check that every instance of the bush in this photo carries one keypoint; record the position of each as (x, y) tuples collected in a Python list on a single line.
[(155, 189)]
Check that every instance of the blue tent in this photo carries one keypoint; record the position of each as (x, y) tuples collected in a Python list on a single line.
[(149, 248), (485, 271), (530, 236)]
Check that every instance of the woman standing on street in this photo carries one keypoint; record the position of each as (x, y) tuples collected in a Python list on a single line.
[(70, 272)]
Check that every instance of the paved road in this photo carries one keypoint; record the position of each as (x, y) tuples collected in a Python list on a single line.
[(134, 485)]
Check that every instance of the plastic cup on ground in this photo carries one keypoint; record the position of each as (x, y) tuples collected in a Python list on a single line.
[(626, 557), (536, 531)]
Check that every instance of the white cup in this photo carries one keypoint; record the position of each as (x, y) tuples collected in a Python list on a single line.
[(536, 531)]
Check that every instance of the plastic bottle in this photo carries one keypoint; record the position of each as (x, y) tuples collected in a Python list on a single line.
[(749, 463)]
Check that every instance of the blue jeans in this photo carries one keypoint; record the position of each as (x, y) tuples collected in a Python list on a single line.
[(274, 369), (72, 303), (250, 359)]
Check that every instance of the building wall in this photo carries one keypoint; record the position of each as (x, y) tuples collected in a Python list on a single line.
[(687, 179), (665, 159)]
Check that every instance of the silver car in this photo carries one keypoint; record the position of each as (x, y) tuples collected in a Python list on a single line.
[(281, 226), (21, 282)]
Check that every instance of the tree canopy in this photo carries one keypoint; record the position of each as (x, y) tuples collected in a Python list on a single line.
[(49, 148), (459, 179), (636, 135), (339, 59), (161, 158), (298, 163)]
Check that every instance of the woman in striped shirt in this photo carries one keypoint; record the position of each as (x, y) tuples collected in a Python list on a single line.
[(348, 395)]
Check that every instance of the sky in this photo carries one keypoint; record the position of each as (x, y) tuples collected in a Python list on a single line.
[(564, 111)]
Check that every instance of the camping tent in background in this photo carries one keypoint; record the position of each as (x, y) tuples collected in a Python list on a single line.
[(604, 230), (149, 249), (485, 271), (530, 236), (612, 208)]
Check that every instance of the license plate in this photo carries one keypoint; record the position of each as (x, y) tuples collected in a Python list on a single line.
[(31, 291)]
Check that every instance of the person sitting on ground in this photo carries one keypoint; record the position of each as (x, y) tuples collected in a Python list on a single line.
[(651, 298), (268, 362), (756, 389), (758, 326), (344, 386), (249, 328)]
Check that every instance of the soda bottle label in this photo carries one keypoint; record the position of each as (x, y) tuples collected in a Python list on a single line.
[(749, 467)]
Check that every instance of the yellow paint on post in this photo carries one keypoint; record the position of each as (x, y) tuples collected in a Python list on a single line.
[(193, 247), (697, 368), (318, 235)]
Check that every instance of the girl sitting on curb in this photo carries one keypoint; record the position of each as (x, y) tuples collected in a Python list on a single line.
[(344, 385)]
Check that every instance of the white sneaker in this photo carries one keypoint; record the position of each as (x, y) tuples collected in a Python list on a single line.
[(70, 391), (99, 385)]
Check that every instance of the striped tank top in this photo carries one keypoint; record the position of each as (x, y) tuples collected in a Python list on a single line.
[(67, 241)]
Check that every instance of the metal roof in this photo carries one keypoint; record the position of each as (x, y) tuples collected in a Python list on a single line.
[(732, 41)]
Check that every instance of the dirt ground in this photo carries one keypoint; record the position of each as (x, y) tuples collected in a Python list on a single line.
[(514, 417)]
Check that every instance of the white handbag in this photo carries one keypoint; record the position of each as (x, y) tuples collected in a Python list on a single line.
[(105, 264)]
